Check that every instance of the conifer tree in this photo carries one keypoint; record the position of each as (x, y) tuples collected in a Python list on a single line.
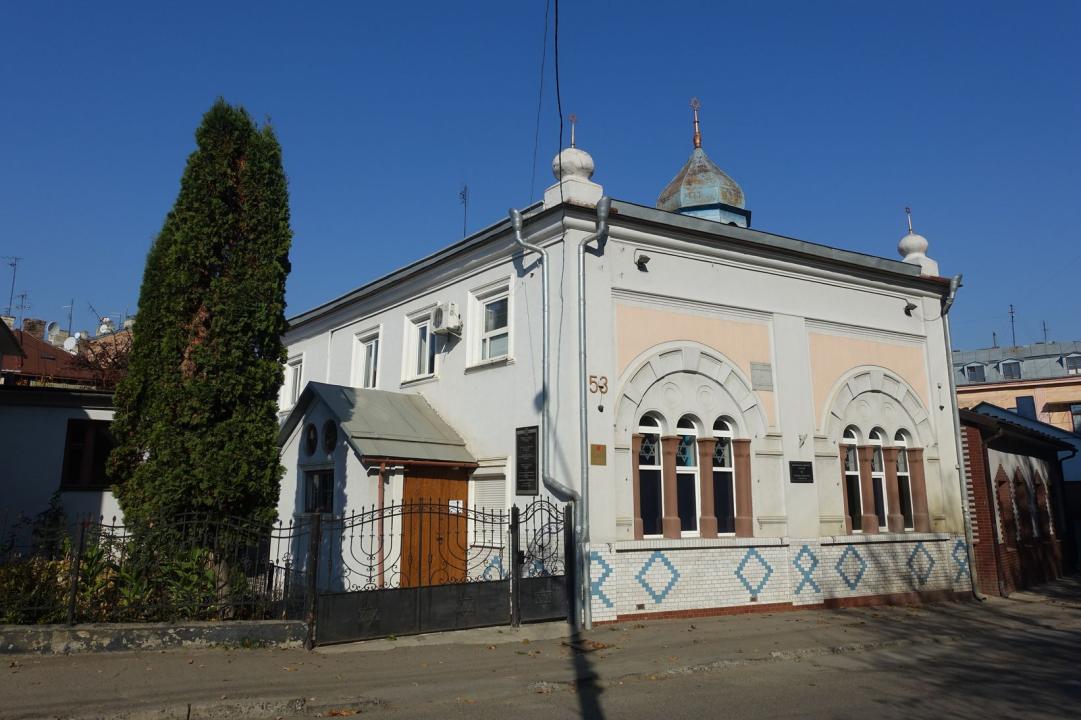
[(196, 424)]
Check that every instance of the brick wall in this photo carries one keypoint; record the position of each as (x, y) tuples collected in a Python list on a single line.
[(982, 511), (693, 576)]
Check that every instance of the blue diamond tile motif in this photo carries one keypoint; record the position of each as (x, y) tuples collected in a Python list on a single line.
[(960, 556), (806, 562), (852, 579), (494, 570), (767, 570), (921, 563), (673, 576), (596, 585)]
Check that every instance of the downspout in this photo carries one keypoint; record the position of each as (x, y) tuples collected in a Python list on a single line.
[(955, 284), (604, 205), (556, 487)]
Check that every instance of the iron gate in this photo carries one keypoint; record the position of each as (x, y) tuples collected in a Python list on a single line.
[(430, 566)]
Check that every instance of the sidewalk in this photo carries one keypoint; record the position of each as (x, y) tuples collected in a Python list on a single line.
[(494, 665)]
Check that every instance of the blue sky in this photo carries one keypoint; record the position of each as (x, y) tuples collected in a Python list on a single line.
[(832, 116)]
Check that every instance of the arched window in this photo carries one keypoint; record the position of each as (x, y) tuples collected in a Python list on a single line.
[(852, 478), (724, 481), (649, 475), (904, 478), (878, 476), (687, 499)]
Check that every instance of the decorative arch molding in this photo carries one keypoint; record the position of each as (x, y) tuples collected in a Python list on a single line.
[(683, 377), (870, 396)]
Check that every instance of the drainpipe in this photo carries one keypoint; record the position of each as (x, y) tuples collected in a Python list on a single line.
[(955, 284), (556, 487), (604, 205)]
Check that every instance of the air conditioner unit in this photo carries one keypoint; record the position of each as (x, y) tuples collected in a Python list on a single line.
[(446, 320)]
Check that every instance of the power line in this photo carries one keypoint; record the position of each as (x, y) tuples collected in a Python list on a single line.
[(540, 103), (559, 99)]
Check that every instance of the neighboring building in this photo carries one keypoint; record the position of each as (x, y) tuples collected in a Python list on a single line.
[(1021, 533), (769, 420), (43, 363), (55, 440), (1041, 381)]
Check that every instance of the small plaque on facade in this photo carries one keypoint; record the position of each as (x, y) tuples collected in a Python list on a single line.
[(598, 454), (800, 471), (526, 442), (761, 376)]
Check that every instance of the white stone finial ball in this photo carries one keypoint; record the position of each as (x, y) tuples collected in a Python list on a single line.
[(912, 244), (575, 162)]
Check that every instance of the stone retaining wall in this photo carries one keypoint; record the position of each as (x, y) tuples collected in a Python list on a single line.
[(64, 639)]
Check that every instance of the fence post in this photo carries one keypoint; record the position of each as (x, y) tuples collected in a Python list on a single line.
[(515, 570), (76, 562), (315, 542), (570, 560)]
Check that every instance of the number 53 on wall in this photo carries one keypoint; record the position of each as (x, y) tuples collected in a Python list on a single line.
[(598, 384)]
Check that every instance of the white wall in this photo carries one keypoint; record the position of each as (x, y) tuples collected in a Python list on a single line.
[(486, 404), (32, 447)]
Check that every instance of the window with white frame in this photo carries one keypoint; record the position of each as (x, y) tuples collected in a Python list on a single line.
[(852, 479), (294, 377), (904, 478), (878, 476), (724, 490), (649, 476), (1010, 369), (492, 311), (420, 351), (1073, 364), (368, 361), (975, 373), (687, 495)]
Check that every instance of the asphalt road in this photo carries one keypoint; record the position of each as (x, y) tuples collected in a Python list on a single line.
[(1014, 658)]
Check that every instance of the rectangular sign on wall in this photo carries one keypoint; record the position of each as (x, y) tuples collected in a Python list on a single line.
[(800, 471), (526, 460)]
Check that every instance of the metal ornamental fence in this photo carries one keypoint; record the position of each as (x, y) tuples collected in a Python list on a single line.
[(404, 568)]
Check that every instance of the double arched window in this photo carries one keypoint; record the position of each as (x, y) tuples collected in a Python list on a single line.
[(695, 493)]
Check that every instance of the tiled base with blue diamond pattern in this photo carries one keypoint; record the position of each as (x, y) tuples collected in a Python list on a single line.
[(631, 578)]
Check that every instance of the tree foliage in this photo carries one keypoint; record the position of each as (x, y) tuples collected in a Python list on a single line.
[(196, 421)]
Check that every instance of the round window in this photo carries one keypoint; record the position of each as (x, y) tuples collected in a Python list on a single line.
[(330, 436), (311, 439)]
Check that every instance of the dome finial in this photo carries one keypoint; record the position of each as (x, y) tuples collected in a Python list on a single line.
[(695, 106), (913, 249), (574, 120)]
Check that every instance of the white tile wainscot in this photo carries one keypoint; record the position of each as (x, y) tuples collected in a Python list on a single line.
[(659, 575)]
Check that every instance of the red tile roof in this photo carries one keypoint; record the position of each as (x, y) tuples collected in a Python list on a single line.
[(43, 362)]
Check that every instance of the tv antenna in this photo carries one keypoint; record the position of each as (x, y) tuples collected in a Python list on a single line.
[(1013, 331), (71, 309), (1044, 332), (24, 304), (463, 197), (14, 263)]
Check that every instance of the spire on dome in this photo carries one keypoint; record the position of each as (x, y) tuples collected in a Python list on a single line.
[(702, 189), (695, 105)]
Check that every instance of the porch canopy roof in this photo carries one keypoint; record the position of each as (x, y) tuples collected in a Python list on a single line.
[(382, 424)]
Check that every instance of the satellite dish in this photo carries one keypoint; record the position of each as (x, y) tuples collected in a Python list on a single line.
[(52, 330), (70, 344)]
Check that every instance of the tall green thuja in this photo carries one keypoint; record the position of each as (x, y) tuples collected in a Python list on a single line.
[(196, 422)]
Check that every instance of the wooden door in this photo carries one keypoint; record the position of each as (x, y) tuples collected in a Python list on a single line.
[(435, 542)]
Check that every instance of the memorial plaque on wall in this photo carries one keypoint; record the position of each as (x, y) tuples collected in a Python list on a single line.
[(526, 460), (800, 471)]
